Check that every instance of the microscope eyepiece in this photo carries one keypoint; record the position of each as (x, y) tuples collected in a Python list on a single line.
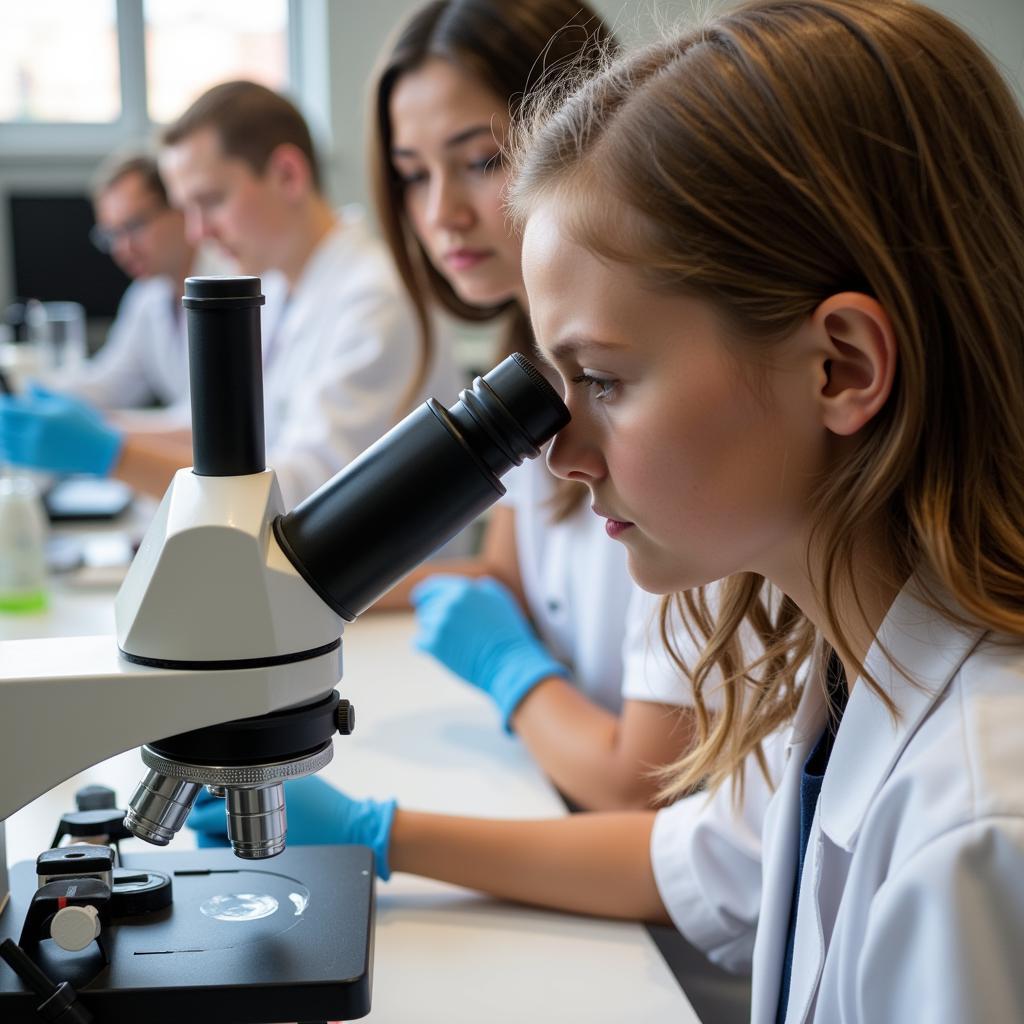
[(225, 375), (420, 484)]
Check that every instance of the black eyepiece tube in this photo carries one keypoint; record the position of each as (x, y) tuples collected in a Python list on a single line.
[(417, 486), (225, 375)]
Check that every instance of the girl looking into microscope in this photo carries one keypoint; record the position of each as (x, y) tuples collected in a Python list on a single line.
[(761, 255)]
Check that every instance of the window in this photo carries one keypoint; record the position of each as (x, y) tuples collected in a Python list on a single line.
[(193, 44), (59, 62), (79, 75)]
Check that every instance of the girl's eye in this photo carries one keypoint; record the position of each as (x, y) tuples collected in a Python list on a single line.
[(603, 387)]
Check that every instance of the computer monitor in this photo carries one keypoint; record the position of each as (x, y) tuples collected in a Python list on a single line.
[(53, 258)]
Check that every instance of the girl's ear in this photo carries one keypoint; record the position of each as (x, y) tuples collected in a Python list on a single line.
[(858, 360)]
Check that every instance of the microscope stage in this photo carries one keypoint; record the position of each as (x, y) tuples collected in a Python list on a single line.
[(285, 939)]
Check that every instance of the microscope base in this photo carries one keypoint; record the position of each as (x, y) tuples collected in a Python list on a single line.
[(254, 942)]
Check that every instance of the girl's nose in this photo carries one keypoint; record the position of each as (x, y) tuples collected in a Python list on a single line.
[(574, 455)]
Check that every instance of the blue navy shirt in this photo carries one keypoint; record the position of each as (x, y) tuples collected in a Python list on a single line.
[(810, 788)]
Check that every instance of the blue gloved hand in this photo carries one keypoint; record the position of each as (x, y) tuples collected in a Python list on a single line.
[(318, 814), (476, 628), (56, 433)]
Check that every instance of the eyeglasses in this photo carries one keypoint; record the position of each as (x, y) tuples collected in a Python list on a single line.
[(106, 238)]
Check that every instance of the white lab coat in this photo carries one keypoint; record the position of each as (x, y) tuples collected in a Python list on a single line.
[(587, 610), (912, 897), (145, 355), (339, 353)]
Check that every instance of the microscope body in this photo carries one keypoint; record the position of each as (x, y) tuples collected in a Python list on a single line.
[(227, 655), (210, 585)]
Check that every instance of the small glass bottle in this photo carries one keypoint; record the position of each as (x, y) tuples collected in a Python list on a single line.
[(23, 529)]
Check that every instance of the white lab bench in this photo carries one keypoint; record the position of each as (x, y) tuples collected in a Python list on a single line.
[(442, 953)]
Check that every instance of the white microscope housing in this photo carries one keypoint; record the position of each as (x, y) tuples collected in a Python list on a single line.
[(213, 624)]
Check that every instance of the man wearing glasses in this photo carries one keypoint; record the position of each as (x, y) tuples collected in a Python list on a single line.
[(144, 359)]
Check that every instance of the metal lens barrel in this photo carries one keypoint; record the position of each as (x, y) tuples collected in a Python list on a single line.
[(418, 486)]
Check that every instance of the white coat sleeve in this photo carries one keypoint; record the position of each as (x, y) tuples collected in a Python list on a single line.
[(706, 858), (354, 396), (945, 932), (116, 377)]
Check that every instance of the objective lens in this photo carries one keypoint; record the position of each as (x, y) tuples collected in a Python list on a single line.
[(257, 825), (420, 484), (159, 807)]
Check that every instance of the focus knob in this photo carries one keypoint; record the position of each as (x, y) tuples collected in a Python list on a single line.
[(345, 717), (73, 928)]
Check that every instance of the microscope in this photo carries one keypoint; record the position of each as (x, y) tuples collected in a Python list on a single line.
[(223, 669)]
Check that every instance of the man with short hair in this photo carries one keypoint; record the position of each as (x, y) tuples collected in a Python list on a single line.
[(342, 359), (145, 356)]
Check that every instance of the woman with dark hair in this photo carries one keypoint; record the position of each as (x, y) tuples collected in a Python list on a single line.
[(538, 620)]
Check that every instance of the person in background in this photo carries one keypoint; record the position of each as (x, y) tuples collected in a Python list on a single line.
[(342, 358), (144, 359), (539, 620), (754, 336)]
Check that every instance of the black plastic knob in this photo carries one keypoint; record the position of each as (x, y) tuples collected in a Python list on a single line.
[(91, 824), (95, 798), (345, 717)]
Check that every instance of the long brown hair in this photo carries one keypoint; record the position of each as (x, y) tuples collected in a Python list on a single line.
[(778, 154), (510, 47)]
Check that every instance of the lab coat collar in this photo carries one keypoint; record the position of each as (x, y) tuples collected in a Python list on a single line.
[(281, 322), (913, 639)]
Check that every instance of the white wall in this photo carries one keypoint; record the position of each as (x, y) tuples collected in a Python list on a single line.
[(338, 41)]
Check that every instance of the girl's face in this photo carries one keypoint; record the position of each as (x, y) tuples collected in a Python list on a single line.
[(446, 133), (701, 463)]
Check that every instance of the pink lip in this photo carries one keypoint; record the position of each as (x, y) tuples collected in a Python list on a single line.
[(465, 259), (613, 527)]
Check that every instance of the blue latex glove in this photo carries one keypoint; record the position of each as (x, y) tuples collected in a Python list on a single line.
[(56, 433), (318, 814), (476, 628)]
